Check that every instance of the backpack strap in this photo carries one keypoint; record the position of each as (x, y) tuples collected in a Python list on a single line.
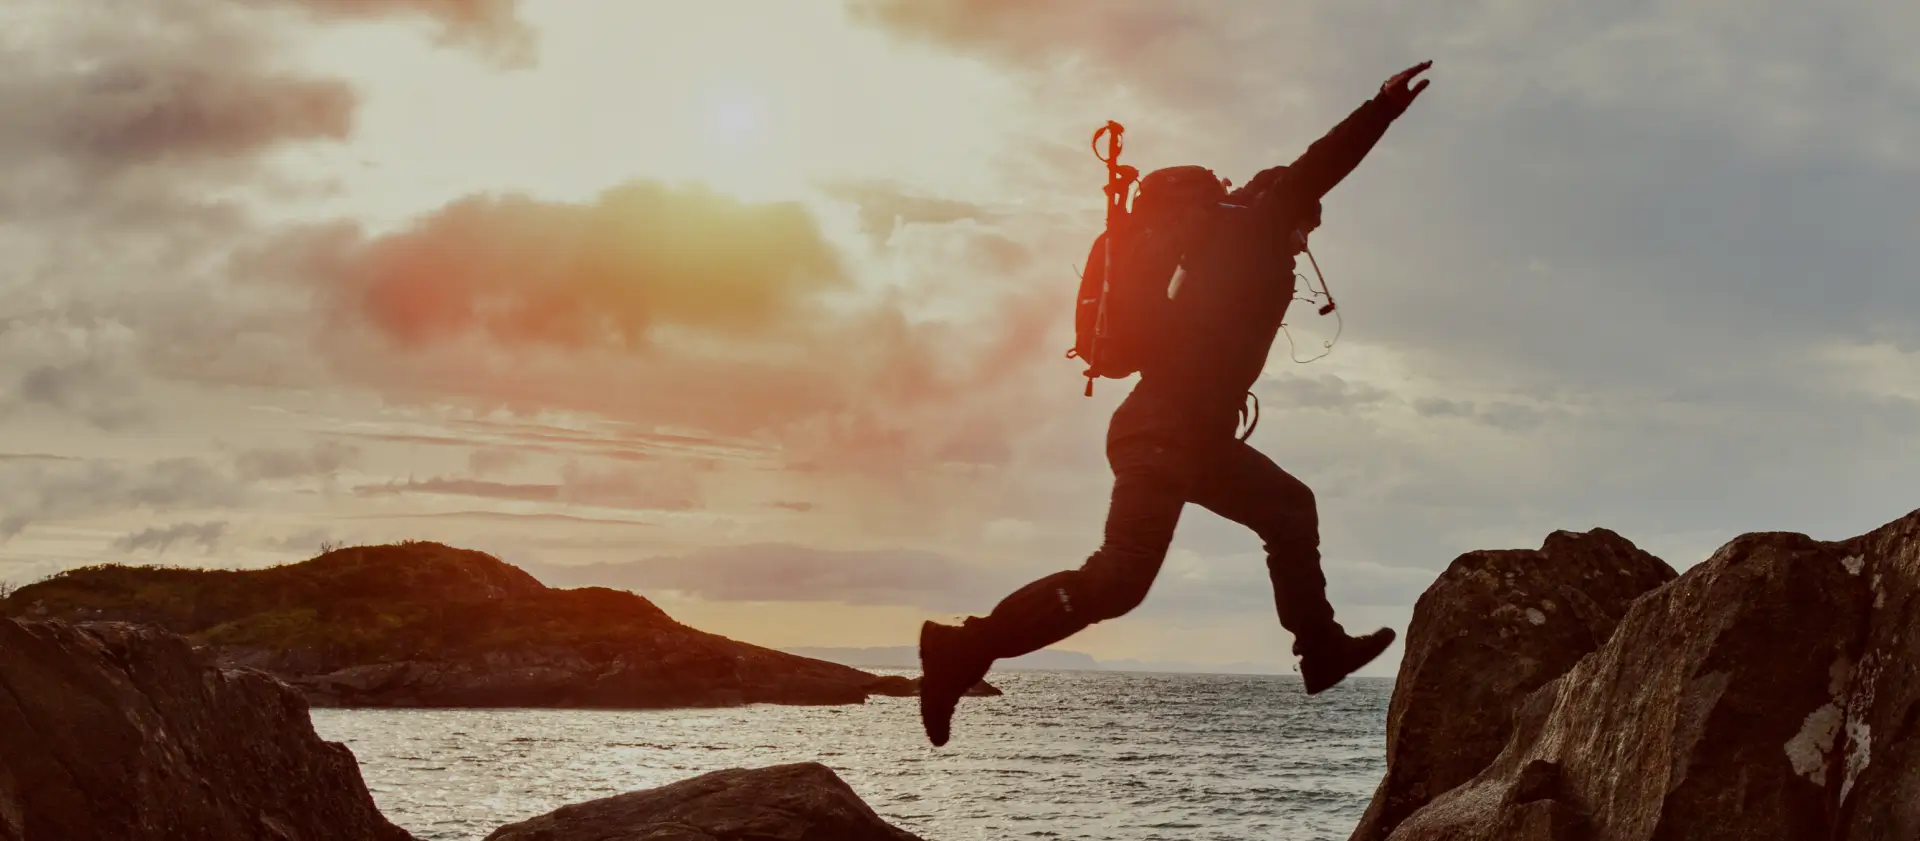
[(1255, 415)]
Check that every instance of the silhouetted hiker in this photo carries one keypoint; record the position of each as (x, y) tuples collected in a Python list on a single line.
[(1172, 440)]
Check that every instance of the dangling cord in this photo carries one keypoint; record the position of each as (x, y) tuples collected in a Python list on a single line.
[(1312, 297)]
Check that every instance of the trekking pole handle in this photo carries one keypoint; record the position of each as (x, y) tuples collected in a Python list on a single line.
[(1113, 131)]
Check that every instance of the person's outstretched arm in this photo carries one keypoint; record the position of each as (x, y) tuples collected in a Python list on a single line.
[(1326, 163)]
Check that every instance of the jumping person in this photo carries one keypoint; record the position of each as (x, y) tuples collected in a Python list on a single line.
[(1172, 440)]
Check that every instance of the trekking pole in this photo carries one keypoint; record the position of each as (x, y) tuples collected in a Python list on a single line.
[(1119, 179)]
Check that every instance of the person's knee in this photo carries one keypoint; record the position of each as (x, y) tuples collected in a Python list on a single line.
[(1127, 592), (1290, 518), (1113, 590)]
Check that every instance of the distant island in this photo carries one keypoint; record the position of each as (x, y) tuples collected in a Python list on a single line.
[(908, 657), (422, 624)]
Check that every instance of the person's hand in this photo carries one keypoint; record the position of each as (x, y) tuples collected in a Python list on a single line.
[(1395, 90)]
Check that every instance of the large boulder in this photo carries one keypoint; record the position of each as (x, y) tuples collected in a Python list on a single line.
[(1768, 693), (119, 731), (1495, 626), (798, 802)]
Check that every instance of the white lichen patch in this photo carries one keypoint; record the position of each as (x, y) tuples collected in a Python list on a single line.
[(1807, 750), (1853, 563), (1859, 753), (1536, 617), (1859, 745)]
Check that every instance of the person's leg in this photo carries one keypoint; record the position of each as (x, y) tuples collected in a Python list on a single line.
[(1242, 484), (1151, 480)]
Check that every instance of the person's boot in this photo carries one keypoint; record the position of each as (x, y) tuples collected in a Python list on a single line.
[(950, 664), (1325, 664), (953, 659)]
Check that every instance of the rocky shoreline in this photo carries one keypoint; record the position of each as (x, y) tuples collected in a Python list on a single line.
[(121, 731), (1584, 691)]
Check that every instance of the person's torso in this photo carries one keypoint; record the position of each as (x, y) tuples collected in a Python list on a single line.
[(1224, 314)]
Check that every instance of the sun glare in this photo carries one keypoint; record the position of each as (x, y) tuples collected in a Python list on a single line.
[(737, 118), (613, 98)]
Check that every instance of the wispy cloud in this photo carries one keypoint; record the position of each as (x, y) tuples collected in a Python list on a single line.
[(35, 491), (160, 539), (651, 489), (506, 517), (886, 206), (324, 458), (104, 395), (492, 27)]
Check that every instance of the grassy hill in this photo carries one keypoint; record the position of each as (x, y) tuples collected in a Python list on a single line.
[(424, 624)]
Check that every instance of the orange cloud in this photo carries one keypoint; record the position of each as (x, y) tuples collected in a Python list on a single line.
[(677, 309), (522, 271)]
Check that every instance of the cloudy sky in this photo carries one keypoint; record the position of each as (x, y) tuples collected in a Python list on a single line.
[(762, 303)]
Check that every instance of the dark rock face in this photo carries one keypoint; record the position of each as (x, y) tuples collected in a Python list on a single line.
[(124, 732), (1494, 627), (1878, 742), (800, 802), (901, 686), (426, 625), (1767, 694)]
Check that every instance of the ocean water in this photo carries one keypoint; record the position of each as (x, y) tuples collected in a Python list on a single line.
[(1096, 756)]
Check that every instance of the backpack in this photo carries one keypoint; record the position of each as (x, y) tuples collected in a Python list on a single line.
[(1122, 315)]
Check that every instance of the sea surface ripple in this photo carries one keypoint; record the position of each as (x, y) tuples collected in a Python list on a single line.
[(1099, 756)]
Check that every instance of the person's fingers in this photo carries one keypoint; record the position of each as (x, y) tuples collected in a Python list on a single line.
[(1400, 79), (1419, 87)]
